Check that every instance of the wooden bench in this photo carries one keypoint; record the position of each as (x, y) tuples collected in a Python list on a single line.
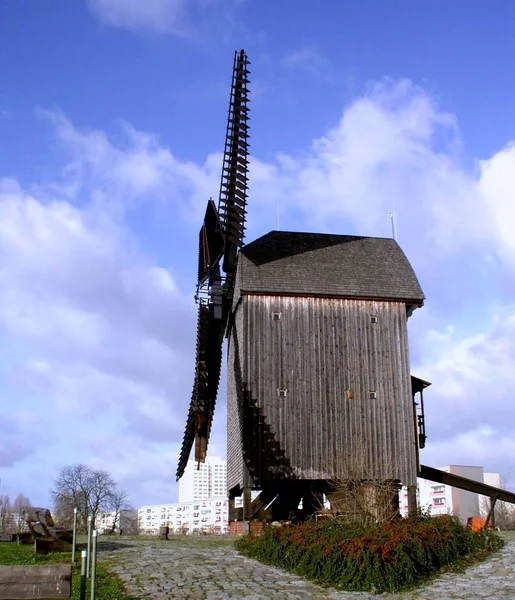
[(43, 532), (52, 582)]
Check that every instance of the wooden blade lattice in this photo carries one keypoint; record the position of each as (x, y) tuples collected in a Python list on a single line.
[(222, 234)]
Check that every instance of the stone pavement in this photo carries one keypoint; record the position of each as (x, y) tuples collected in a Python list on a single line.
[(211, 569)]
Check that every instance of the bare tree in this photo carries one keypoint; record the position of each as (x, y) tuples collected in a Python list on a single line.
[(5, 514), (119, 504), (19, 503), (11, 520), (504, 512), (361, 491), (80, 486)]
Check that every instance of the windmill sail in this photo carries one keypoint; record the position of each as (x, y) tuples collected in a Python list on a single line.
[(232, 205), (221, 235)]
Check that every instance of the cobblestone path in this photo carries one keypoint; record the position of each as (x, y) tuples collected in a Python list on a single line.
[(213, 570)]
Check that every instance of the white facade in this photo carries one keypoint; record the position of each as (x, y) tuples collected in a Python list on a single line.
[(206, 481), (208, 515), (105, 520), (441, 499)]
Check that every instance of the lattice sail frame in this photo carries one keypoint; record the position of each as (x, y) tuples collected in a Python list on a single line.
[(222, 234)]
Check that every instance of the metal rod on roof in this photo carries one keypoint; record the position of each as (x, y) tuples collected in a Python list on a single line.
[(394, 225)]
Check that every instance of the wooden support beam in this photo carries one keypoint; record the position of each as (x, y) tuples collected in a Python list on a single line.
[(463, 483), (247, 503), (490, 517), (35, 582), (412, 500), (232, 510)]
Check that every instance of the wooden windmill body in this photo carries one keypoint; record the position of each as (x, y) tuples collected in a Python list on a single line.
[(318, 362), (318, 366)]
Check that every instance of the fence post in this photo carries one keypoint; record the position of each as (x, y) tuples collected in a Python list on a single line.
[(83, 575), (74, 543), (90, 523), (94, 564)]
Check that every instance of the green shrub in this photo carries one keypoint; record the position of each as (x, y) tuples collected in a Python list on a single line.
[(381, 558)]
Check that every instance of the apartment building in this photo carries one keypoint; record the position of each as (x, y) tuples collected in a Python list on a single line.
[(208, 515), (127, 521), (442, 499), (204, 480)]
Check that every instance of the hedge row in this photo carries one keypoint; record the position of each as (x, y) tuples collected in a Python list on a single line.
[(385, 558)]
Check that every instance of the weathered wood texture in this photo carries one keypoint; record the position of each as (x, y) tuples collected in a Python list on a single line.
[(31, 583), (330, 358), (47, 545)]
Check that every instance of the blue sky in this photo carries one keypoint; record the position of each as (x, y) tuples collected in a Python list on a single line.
[(112, 117)]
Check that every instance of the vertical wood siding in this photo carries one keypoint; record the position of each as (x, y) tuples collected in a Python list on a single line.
[(328, 355)]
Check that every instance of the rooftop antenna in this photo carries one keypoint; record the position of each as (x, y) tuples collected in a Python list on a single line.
[(394, 225)]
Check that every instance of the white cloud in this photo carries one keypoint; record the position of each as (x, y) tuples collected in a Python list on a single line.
[(497, 185), (309, 60), (136, 168), (158, 15), (468, 408), (480, 446), (106, 328), (107, 331), (383, 155), (198, 20)]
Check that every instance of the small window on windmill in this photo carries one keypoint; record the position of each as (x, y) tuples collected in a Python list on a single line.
[(276, 316), (373, 319), (372, 395), (282, 393)]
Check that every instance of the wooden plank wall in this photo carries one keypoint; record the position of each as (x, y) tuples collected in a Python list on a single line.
[(328, 355), (235, 366), (35, 582)]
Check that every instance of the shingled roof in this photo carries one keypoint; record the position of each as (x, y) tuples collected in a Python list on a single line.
[(319, 264)]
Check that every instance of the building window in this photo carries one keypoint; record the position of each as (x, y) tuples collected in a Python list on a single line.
[(439, 501)]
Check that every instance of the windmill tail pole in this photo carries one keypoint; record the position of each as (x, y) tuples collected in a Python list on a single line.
[(463, 483)]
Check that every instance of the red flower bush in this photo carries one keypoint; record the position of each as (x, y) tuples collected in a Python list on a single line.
[(384, 558)]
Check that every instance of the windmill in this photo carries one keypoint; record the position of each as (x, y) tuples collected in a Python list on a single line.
[(220, 238), (295, 405), (318, 361)]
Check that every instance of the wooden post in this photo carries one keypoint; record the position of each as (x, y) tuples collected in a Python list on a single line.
[(35, 582), (490, 518), (247, 502), (412, 500), (232, 510)]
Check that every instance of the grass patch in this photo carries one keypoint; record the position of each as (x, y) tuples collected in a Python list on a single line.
[(108, 587), (382, 558), (508, 536)]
